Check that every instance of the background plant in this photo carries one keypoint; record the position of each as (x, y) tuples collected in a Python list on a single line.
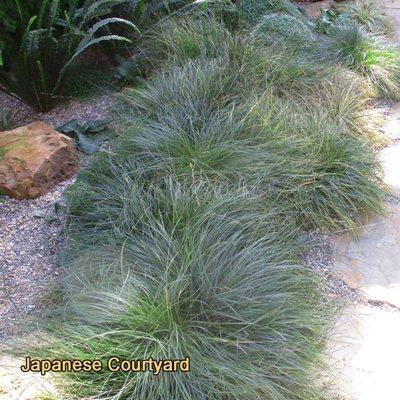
[(253, 10), (13, 15), (369, 55), (367, 13), (330, 19), (89, 136), (52, 41), (284, 29)]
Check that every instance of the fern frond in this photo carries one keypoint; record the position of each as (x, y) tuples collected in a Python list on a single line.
[(100, 8), (26, 32), (84, 45), (54, 12), (108, 21), (35, 44), (42, 11)]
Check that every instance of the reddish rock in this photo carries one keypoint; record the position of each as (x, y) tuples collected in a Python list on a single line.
[(33, 159), (313, 10)]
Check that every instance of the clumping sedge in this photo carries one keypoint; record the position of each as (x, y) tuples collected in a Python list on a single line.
[(186, 233)]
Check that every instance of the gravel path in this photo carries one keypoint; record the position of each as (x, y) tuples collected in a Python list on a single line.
[(31, 234), (83, 111)]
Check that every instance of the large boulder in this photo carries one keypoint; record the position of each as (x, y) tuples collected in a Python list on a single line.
[(33, 159)]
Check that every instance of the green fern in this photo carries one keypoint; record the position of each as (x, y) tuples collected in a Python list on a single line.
[(51, 43)]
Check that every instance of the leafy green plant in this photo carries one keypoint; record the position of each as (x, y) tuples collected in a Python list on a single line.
[(13, 15), (368, 13), (330, 19), (369, 55), (51, 43), (89, 136)]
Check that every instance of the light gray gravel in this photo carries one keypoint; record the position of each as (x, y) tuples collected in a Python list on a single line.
[(31, 234), (84, 110), (320, 260)]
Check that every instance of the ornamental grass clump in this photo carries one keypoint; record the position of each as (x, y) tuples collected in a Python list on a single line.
[(368, 13), (262, 63), (193, 123), (201, 274), (183, 39), (369, 55), (187, 230)]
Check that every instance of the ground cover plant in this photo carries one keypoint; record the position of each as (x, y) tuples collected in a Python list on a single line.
[(253, 10), (286, 29), (186, 233)]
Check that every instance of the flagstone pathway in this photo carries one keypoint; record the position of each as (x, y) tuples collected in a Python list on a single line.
[(365, 348)]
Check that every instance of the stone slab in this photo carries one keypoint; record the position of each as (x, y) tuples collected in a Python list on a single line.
[(392, 128), (371, 262), (390, 159), (18, 385), (33, 159), (365, 354), (392, 10)]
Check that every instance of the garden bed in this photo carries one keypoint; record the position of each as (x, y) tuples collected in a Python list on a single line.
[(245, 140)]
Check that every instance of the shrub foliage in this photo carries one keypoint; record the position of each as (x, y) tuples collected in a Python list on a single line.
[(253, 10)]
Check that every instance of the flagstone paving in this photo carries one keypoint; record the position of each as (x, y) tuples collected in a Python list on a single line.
[(392, 10), (365, 354), (392, 128), (18, 385), (365, 347), (390, 159), (371, 262)]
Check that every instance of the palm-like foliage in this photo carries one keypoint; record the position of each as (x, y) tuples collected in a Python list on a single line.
[(51, 42)]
